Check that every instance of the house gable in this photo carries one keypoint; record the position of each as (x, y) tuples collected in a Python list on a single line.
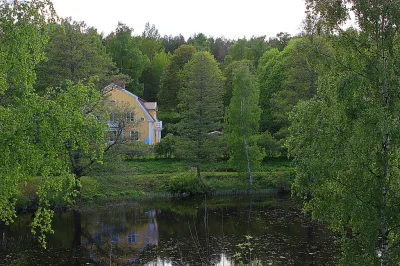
[(149, 126)]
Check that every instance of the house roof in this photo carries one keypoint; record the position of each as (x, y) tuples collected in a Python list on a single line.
[(145, 106)]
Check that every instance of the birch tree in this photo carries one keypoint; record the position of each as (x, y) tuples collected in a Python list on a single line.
[(346, 140), (242, 122)]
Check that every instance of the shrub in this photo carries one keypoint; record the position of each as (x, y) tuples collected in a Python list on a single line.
[(185, 182), (138, 150), (166, 147), (283, 181), (269, 144)]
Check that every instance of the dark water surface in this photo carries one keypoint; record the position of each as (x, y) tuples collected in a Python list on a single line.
[(191, 232)]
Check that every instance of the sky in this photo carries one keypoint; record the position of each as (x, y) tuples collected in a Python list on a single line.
[(232, 19)]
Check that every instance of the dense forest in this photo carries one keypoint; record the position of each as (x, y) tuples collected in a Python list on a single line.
[(327, 98)]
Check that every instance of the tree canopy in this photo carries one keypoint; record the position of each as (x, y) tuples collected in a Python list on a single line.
[(74, 53), (346, 138), (35, 129), (200, 106), (242, 122), (125, 52)]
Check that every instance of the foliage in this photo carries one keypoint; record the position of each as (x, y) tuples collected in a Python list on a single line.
[(244, 49), (242, 118), (82, 131), (125, 52), (228, 82), (166, 147), (185, 182), (151, 76), (171, 43), (23, 35), (150, 41), (346, 138), (143, 178), (219, 48), (129, 149), (286, 78), (137, 150), (269, 145), (244, 253), (76, 53), (200, 42), (39, 132), (200, 107), (171, 79)]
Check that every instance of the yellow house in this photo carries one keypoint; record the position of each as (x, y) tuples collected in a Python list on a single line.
[(147, 127)]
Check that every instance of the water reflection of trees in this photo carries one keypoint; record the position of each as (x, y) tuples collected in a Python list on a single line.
[(189, 232)]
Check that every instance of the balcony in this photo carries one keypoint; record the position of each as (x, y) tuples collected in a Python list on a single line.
[(158, 125)]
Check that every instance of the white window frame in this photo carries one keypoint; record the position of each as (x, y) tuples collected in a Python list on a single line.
[(132, 134), (112, 135), (132, 116)]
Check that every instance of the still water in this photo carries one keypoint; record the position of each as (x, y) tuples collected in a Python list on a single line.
[(207, 231)]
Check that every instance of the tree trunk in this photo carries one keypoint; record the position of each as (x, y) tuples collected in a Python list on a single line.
[(198, 171), (246, 146)]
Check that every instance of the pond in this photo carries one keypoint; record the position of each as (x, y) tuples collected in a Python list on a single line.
[(207, 231)]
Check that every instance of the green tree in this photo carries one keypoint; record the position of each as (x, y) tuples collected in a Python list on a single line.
[(346, 139), (171, 79), (228, 82), (238, 51), (280, 41), (151, 42), (286, 78), (219, 48), (200, 42), (125, 52), (171, 43), (76, 53), (242, 122), (23, 35), (151, 76), (200, 106), (244, 49), (35, 129), (271, 75)]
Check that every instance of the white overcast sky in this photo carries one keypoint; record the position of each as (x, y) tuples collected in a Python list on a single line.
[(232, 19)]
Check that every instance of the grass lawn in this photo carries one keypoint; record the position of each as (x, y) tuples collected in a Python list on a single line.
[(148, 177)]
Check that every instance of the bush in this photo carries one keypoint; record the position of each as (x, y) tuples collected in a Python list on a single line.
[(131, 150), (269, 144), (185, 182), (138, 150), (283, 181), (166, 147)]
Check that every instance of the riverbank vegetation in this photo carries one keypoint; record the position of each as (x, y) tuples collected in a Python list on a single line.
[(327, 99), (165, 178)]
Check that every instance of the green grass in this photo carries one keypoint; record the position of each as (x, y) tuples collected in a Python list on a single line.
[(150, 177)]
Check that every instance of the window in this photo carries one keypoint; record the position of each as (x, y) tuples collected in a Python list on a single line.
[(114, 117), (132, 238), (134, 135), (131, 116), (142, 119), (111, 135)]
